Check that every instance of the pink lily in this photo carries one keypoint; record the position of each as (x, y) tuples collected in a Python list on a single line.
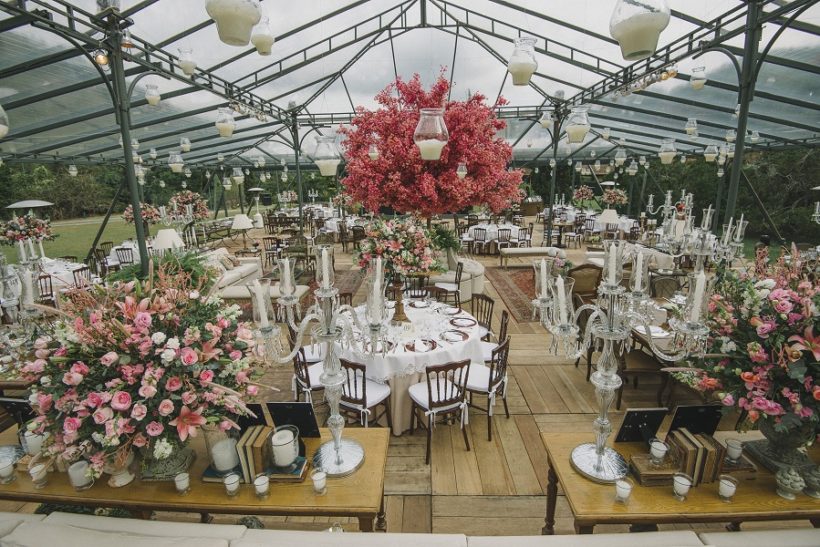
[(187, 422), (807, 342)]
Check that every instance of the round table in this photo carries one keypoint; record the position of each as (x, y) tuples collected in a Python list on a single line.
[(492, 230)]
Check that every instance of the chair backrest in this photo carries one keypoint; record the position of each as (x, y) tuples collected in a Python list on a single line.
[(107, 246), (472, 220), (498, 363), (82, 276), (447, 384), (68, 258), (664, 286), (436, 293), (269, 242), (346, 298), (587, 278), (589, 224), (354, 388), (125, 255), (414, 285), (300, 368), (358, 233), (504, 235), (482, 308), (46, 288), (611, 227), (505, 321), (480, 234), (459, 272), (580, 221), (634, 233)]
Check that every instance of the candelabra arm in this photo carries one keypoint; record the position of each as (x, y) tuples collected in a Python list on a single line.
[(636, 319), (300, 329)]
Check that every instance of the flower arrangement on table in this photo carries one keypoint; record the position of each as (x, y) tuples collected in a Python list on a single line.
[(582, 193), (615, 196), (400, 179), (149, 213), (765, 329), (288, 196), (406, 247), (342, 199), (139, 366), (178, 202), (25, 227)]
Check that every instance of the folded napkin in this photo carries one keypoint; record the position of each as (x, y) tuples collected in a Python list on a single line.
[(420, 345), (655, 332)]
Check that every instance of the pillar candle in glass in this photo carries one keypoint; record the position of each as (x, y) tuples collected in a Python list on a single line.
[(285, 443), (231, 482), (681, 483), (324, 268), (326, 155), (7, 470), (698, 296), (623, 489), (287, 282), (221, 447), (182, 482), (613, 262), (657, 451), (39, 475), (639, 282), (261, 485), (78, 475), (319, 479), (431, 133), (734, 450), (727, 486), (225, 123)]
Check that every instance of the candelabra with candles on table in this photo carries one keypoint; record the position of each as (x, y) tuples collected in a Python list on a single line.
[(313, 194), (180, 222), (336, 327)]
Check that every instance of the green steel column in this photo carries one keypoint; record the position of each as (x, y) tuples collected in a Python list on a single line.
[(643, 190), (747, 87), (556, 126), (124, 107), (296, 146)]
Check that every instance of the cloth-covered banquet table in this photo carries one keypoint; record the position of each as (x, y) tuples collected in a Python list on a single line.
[(492, 230)]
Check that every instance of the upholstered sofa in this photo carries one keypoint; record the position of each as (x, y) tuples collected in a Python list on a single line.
[(233, 281), (71, 530), (472, 276)]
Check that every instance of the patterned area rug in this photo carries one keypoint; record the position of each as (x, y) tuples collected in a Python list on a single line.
[(517, 289)]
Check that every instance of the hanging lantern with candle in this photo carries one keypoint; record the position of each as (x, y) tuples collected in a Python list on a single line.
[(431, 133), (546, 120), (605, 132), (152, 94), (637, 26), (620, 157), (326, 156), (234, 19), (186, 61), (720, 172), (667, 151), (226, 183), (710, 153), (522, 63), (552, 163), (632, 170), (461, 171), (175, 162), (754, 137), (578, 166), (135, 144), (577, 125), (642, 160), (262, 37), (188, 172), (691, 126), (698, 78), (373, 152), (161, 183), (731, 135), (185, 144), (220, 157), (237, 176), (225, 123), (72, 170)]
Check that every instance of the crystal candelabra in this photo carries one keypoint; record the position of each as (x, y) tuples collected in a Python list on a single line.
[(815, 217), (179, 220), (313, 194), (336, 327), (609, 322)]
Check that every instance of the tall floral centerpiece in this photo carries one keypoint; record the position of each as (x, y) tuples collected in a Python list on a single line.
[(150, 215), (392, 174), (26, 229), (614, 197), (765, 331), (582, 194), (178, 203), (142, 366)]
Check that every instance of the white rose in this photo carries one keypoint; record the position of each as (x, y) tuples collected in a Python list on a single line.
[(763, 293), (33, 398), (168, 355), (173, 343), (193, 295), (45, 380), (158, 338)]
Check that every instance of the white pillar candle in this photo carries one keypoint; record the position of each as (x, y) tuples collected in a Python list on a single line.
[(728, 232), (6, 468), (28, 285), (260, 296), (38, 472), (697, 299), (377, 282), (817, 207), (40, 247), (727, 488), (285, 280), (613, 251), (430, 149), (284, 452), (31, 252), (231, 484), (638, 271), (319, 481), (22, 248), (223, 454), (543, 278), (327, 168), (183, 482), (225, 129), (562, 300), (261, 485), (325, 269), (623, 489)]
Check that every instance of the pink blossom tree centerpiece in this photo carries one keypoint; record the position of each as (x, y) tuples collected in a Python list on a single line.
[(143, 366), (178, 202), (582, 194), (149, 213), (406, 248), (400, 179)]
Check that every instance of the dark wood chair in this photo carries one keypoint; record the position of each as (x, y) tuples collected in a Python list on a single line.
[(82, 277), (611, 230), (46, 287), (491, 380), (272, 248), (482, 309), (346, 298), (662, 286), (68, 258), (360, 394), (480, 240), (587, 278), (125, 255), (358, 235), (414, 286), (443, 393), (487, 348), (453, 289), (345, 237), (106, 246), (306, 377)]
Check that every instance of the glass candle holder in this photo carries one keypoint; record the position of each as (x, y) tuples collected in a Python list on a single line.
[(639, 281), (285, 443), (681, 483), (152, 95), (175, 162), (225, 123), (667, 151), (657, 451), (326, 155), (78, 476), (734, 450), (727, 486), (7, 474), (325, 274), (186, 61), (577, 125), (623, 489), (262, 304), (637, 26), (287, 281), (261, 485), (39, 475), (543, 274), (182, 482), (231, 482), (319, 478), (221, 446), (522, 63), (431, 133), (33, 442), (562, 308), (696, 300)]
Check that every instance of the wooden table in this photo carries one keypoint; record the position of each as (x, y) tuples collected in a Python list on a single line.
[(592, 503), (560, 224), (360, 495)]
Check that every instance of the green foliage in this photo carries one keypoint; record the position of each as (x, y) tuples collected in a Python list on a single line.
[(444, 238), (187, 262)]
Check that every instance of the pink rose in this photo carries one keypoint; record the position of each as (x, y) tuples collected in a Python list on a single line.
[(139, 440), (253, 390), (728, 400), (147, 391), (166, 407), (154, 428), (188, 397), (37, 366), (42, 353), (783, 306), (71, 425), (102, 415), (79, 368), (121, 400), (109, 358), (139, 411), (223, 323), (206, 376), (44, 402), (187, 356), (173, 383), (142, 320), (41, 343), (72, 378), (61, 352), (235, 355), (93, 400)]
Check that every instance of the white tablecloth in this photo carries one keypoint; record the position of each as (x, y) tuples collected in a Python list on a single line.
[(624, 224), (113, 260), (61, 272), (657, 258), (571, 212), (492, 230), (332, 224)]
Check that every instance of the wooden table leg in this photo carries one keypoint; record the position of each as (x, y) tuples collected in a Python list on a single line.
[(815, 522), (381, 520), (733, 527), (366, 524), (552, 498), (205, 518), (584, 528)]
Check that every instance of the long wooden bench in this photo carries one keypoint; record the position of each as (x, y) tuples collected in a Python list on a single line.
[(520, 252)]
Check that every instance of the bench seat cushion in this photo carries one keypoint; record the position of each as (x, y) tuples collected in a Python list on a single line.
[(655, 539), (789, 537), (38, 534), (267, 538), (147, 527)]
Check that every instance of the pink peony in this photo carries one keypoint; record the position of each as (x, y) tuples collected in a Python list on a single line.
[(121, 400), (235, 355), (154, 428), (139, 440), (166, 407), (109, 358), (102, 415), (252, 390), (188, 397), (138, 411), (142, 320), (187, 356), (44, 402), (79, 368), (72, 378), (173, 383), (147, 391), (71, 425), (37, 366), (206, 376)]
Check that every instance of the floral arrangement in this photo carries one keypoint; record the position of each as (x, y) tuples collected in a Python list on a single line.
[(405, 247), (149, 213), (583, 193), (615, 196), (177, 204), (400, 179), (288, 196), (342, 199), (765, 327), (25, 227), (142, 366)]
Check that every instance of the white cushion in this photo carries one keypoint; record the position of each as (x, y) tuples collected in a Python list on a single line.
[(376, 393), (38, 534), (268, 538), (418, 392), (482, 331), (451, 287), (487, 350), (479, 377), (10, 521), (655, 539), (314, 353), (791, 537), (147, 527), (314, 372)]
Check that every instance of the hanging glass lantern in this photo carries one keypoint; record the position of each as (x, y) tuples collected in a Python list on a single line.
[(262, 37), (691, 126), (720, 172), (637, 26), (612, 163), (522, 63), (667, 151), (226, 183), (683, 158), (135, 144), (736, 113), (536, 169), (605, 133), (185, 144), (119, 140), (431, 133), (186, 61), (246, 171), (175, 162), (620, 157), (188, 172), (698, 78), (461, 171), (577, 125), (207, 175), (615, 176), (285, 167), (710, 153), (597, 165), (234, 19), (592, 153), (373, 152), (225, 123), (4, 123), (152, 94), (325, 156), (569, 162), (284, 177), (546, 120), (220, 157), (153, 153), (162, 183), (731, 135), (282, 162), (578, 166), (632, 170), (730, 151), (237, 176), (72, 170), (552, 163), (754, 137), (261, 160)]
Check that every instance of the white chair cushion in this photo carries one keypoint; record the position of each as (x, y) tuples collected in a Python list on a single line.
[(452, 287), (479, 377), (268, 538), (482, 331), (418, 392), (655, 539), (487, 350), (314, 372), (798, 537), (38, 534), (376, 393), (147, 528), (10, 521), (314, 353)]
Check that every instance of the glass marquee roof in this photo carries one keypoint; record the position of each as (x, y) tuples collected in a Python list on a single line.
[(331, 56)]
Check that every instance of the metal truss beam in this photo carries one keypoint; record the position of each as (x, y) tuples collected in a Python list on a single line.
[(545, 17), (781, 61)]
